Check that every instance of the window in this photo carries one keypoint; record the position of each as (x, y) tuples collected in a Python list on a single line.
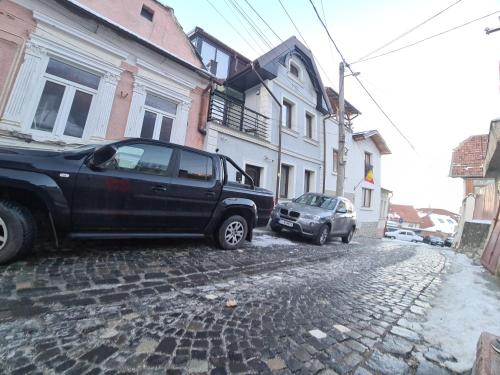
[(441, 221), (294, 70), (66, 99), (147, 13), (195, 166), (284, 181), (335, 161), (309, 125), (449, 221), (367, 197), (308, 176), (287, 114), (368, 159), (158, 118), (254, 172), (215, 60), (142, 158)]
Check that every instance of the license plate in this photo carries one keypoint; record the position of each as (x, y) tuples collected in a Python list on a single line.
[(286, 223)]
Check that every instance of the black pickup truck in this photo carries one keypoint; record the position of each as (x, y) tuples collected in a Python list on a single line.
[(135, 188)]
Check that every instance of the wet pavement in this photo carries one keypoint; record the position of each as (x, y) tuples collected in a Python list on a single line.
[(159, 307)]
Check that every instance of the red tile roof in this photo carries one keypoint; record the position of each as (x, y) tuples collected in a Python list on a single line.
[(439, 211), (468, 158), (407, 213)]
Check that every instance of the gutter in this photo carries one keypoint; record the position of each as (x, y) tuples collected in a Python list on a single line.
[(82, 9), (203, 128)]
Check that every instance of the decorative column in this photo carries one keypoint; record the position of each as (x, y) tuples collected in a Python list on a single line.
[(24, 86), (104, 103), (179, 129), (134, 122)]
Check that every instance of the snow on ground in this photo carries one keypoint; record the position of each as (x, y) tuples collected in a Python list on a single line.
[(265, 240), (467, 304)]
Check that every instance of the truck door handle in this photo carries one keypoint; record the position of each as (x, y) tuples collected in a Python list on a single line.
[(159, 188)]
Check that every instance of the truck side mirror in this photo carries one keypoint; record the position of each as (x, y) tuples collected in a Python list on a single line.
[(102, 155)]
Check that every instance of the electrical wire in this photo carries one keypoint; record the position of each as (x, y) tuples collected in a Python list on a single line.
[(408, 31), (263, 20), (252, 24), (427, 38), (361, 83), (230, 24)]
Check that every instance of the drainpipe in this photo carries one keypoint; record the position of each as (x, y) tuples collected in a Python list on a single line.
[(324, 149), (278, 175), (204, 114)]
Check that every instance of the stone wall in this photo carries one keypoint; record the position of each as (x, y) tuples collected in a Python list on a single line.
[(473, 238), (367, 229)]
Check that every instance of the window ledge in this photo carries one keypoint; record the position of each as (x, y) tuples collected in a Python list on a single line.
[(311, 141), (291, 132), (366, 208), (334, 173)]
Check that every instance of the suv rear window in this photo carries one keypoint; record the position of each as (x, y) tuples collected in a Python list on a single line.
[(195, 166)]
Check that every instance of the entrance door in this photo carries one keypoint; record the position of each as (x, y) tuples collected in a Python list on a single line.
[(129, 193)]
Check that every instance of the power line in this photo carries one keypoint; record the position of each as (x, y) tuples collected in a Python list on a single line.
[(230, 24), (263, 20), (408, 32), (361, 83), (428, 38), (252, 24)]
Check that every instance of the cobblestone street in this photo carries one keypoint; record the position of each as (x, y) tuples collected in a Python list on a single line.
[(156, 307)]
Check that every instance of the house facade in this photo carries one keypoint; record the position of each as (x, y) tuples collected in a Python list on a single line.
[(244, 118), (79, 72)]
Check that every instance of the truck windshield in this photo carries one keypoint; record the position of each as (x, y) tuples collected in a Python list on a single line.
[(315, 200)]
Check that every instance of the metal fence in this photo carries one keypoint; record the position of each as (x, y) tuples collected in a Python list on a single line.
[(232, 113)]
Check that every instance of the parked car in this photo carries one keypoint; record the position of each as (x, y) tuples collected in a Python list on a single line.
[(448, 242), (316, 216), (389, 230), (135, 188), (404, 235), (436, 241)]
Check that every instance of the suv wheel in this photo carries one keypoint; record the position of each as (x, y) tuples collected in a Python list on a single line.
[(322, 235), (348, 237), (232, 232), (17, 231), (275, 228)]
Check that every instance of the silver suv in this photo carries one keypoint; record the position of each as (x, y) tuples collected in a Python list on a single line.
[(316, 216)]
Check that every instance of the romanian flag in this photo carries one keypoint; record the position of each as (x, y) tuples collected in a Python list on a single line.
[(369, 173)]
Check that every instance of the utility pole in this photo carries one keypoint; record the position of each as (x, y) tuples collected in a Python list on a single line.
[(340, 117)]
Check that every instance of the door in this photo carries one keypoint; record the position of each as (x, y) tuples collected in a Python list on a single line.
[(491, 254), (194, 191), (129, 193), (341, 219)]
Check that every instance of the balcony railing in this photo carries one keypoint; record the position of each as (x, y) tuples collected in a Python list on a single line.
[(232, 113)]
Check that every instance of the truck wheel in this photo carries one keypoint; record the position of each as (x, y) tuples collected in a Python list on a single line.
[(16, 231), (348, 237), (322, 235), (232, 232)]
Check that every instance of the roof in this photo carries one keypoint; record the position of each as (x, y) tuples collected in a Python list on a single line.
[(85, 11), (439, 211), (334, 100), (376, 138), (467, 159), (267, 66), (199, 31), (407, 213)]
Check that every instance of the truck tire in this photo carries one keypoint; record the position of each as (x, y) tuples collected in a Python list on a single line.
[(322, 235), (232, 232), (348, 237), (17, 231)]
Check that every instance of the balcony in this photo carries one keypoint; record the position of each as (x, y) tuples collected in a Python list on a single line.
[(232, 113)]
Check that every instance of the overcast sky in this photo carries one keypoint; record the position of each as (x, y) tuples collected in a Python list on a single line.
[(438, 92)]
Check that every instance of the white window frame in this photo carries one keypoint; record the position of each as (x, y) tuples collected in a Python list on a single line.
[(291, 180), (66, 102), (294, 62), (313, 125), (263, 170), (312, 181), (159, 117), (293, 117), (363, 201)]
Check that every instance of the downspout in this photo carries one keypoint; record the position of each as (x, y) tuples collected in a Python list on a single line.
[(324, 149), (203, 115), (278, 175)]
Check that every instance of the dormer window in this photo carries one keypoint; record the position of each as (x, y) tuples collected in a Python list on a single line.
[(147, 13), (294, 70)]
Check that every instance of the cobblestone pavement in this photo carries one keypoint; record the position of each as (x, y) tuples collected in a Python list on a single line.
[(156, 307)]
